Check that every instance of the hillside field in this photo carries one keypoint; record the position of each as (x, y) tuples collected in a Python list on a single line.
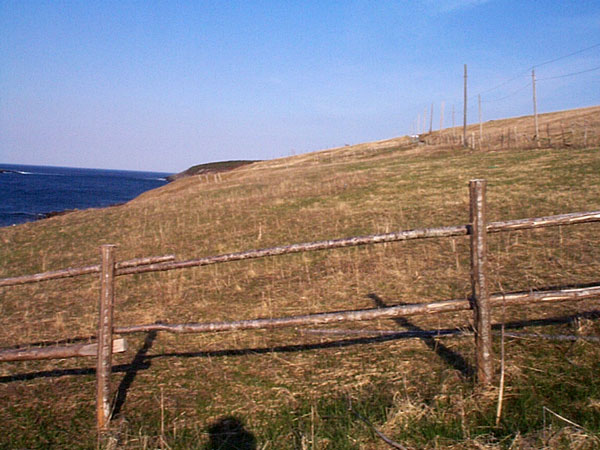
[(291, 388)]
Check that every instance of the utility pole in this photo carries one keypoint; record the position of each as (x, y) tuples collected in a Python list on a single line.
[(465, 112), (535, 115), (442, 117), (480, 124), (431, 120), (453, 122)]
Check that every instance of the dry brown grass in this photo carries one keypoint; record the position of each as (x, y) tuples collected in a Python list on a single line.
[(371, 188)]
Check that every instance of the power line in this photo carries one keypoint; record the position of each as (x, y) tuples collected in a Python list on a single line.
[(566, 56), (509, 95), (521, 74), (569, 74), (538, 65), (504, 82)]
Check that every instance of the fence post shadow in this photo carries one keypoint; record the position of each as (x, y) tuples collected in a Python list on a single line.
[(452, 358), (139, 362)]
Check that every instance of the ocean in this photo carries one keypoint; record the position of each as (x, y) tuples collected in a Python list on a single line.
[(31, 192)]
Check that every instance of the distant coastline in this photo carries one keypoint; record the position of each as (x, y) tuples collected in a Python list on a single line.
[(213, 167), (32, 193)]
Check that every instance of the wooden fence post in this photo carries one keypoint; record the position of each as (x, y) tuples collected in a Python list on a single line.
[(105, 331), (480, 294)]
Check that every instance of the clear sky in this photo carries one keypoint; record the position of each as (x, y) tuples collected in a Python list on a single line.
[(163, 85)]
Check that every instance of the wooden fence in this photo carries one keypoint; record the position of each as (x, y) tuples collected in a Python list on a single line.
[(480, 300), (579, 134)]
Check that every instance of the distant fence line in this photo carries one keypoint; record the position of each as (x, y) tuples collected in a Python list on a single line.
[(556, 135), (480, 301)]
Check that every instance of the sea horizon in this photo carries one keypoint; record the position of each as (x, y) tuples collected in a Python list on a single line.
[(51, 166)]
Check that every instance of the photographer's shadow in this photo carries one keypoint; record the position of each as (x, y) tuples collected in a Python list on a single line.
[(228, 433)]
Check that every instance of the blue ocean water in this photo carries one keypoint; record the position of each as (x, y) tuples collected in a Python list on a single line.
[(30, 192)]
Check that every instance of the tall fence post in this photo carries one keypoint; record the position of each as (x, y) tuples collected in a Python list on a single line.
[(105, 331), (479, 294)]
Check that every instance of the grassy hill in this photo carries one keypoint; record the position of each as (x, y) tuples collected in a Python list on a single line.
[(209, 169), (290, 388)]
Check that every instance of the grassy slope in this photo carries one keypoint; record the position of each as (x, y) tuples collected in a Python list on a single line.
[(291, 389), (210, 168)]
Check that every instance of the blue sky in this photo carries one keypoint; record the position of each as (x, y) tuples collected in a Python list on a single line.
[(163, 85)]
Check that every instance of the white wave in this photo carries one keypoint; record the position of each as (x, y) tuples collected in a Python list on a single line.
[(20, 172), (46, 174)]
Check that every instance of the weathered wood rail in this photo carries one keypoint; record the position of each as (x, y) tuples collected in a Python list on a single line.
[(480, 300), (58, 351), (163, 263), (390, 312), (78, 271)]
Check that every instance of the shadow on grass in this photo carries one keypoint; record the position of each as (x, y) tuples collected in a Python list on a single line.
[(228, 433), (454, 359), (139, 362), (142, 360)]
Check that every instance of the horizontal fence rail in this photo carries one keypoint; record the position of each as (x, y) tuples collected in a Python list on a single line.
[(543, 222), (423, 233), (390, 312), (58, 351), (78, 271), (163, 263)]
